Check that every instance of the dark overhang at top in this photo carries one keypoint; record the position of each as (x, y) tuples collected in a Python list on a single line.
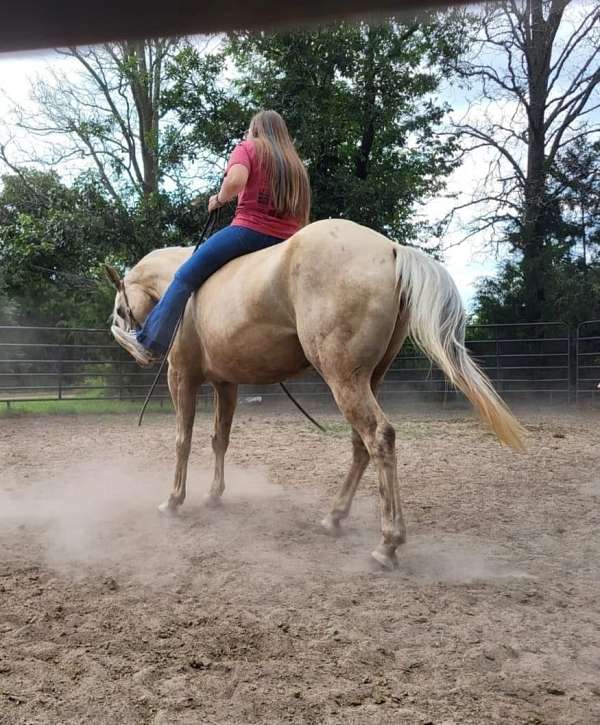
[(29, 25)]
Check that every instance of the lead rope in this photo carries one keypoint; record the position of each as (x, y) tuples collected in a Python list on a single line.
[(212, 220), (300, 408)]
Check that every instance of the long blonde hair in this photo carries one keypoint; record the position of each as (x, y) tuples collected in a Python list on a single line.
[(288, 179)]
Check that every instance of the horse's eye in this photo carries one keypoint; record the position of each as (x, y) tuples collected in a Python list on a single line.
[(120, 311)]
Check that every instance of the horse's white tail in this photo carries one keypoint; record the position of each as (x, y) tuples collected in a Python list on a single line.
[(437, 326)]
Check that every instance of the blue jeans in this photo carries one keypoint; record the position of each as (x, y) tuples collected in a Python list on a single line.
[(223, 246)]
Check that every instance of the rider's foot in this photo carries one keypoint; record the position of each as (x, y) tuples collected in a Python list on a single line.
[(128, 340)]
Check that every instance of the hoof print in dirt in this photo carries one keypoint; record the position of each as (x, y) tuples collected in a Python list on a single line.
[(199, 663), (110, 584)]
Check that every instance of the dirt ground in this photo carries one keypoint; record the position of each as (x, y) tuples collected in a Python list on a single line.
[(111, 613)]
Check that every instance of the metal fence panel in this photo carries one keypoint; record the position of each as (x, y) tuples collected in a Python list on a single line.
[(51, 363), (588, 361), (522, 360)]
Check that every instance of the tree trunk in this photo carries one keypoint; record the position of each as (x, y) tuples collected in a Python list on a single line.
[(533, 230), (369, 110), (142, 79), (538, 56)]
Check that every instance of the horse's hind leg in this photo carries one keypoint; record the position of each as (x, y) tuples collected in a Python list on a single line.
[(225, 403), (358, 404), (183, 393), (360, 455), (343, 501)]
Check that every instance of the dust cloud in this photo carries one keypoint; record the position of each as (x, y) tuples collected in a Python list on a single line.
[(103, 517)]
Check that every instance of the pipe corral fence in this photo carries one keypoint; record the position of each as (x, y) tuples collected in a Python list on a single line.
[(542, 362)]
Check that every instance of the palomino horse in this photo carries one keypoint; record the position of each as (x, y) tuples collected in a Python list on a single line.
[(337, 296)]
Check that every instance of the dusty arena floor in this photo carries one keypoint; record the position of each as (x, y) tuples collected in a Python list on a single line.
[(110, 613)]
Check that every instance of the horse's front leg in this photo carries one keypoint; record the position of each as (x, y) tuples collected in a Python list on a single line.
[(225, 403), (183, 390)]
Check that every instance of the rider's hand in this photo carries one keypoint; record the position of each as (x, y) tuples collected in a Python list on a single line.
[(214, 203)]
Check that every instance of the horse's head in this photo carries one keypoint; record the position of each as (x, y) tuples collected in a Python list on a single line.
[(132, 302)]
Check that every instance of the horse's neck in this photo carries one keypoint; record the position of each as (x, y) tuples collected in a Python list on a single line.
[(155, 272)]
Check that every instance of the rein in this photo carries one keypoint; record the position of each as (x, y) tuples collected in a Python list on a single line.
[(211, 221)]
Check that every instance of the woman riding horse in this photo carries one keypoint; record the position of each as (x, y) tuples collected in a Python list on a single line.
[(335, 296), (273, 191)]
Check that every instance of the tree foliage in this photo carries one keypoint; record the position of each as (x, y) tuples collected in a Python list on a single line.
[(53, 241), (55, 238), (142, 127), (537, 67), (571, 253), (358, 99), (104, 111), (575, 179)]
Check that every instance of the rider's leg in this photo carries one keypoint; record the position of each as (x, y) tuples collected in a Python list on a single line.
[(223, 246)]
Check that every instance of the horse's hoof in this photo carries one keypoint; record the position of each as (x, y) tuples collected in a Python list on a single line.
[(213, 502), (331, 525), (168, 508), (385, 559)]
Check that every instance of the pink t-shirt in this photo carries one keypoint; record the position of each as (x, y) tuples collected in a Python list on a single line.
[(255, 208)]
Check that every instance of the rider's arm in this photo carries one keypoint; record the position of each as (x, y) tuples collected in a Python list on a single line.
[(233, 183)]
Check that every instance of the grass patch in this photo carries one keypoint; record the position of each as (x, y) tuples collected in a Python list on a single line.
[(404, 431), (413, 431), (80, 407), (338, 429)]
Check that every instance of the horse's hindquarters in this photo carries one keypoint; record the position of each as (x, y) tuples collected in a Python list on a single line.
[(345, 299)]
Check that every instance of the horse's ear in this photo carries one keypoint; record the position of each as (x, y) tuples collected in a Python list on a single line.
[(113, 276)]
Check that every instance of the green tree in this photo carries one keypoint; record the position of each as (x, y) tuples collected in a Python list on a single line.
[(576, 180), (358, 99), (573, 292), (212, 117), (536, 66), (104, 112), (53, 240), (103, 109), (570, 253)]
